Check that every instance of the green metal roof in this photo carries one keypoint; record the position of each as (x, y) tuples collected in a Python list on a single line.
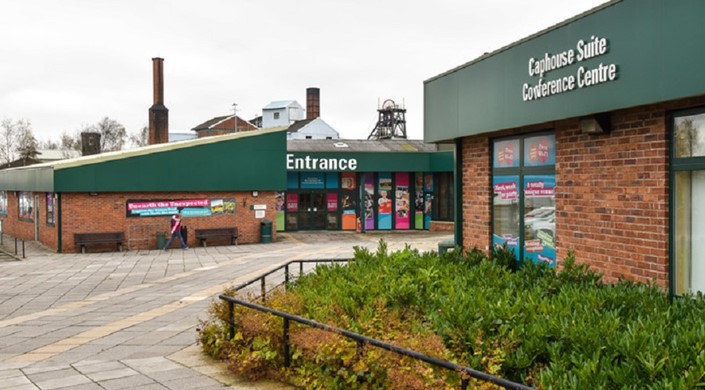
[(643, 52), (233, 162)]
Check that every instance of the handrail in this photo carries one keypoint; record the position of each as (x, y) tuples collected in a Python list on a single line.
[(360, 339)]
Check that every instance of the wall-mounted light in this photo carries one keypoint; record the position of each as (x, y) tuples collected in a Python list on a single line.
[(595, 124), (255, 193), (94, 194)]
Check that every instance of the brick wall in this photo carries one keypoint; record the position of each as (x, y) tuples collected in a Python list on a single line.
[(441, 226), (24, 229), (105, 212), (477, 192), (612, 192)]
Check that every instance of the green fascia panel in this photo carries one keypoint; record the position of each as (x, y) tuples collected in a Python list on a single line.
[(442, 162), (239, 164), (38, 179), (370, 161), (656, 47)]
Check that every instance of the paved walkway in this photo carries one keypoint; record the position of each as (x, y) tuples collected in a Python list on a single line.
[(127, 319)]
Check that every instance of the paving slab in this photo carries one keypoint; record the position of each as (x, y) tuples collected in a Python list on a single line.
[(127, 320)]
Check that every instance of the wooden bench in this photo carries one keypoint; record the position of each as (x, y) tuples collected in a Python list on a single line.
[(83, 239), (204, 234)]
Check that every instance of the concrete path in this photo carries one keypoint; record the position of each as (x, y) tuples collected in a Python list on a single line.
[(127, 319)]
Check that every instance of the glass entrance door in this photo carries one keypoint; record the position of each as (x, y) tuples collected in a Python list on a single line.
[(312, 211)]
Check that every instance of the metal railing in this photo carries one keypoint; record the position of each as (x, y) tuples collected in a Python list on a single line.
[(361, 340)]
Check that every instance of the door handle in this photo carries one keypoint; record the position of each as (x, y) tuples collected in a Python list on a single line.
[(315, 209)]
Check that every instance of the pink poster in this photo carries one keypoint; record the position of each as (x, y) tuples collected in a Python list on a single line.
[(401, 201), (332, 200), (292, 202)]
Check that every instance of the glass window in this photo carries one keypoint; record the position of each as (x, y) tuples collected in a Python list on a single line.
[(689, 136), (688, 234), (524, 202), (26, 206), (540, 218), (445, 196), (505, 211), (50, 208), (3, 202)]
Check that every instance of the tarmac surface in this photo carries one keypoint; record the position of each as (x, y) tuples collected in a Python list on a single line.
[(119, 320)]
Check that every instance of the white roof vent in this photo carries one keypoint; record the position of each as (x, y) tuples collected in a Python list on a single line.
[(340, 145)]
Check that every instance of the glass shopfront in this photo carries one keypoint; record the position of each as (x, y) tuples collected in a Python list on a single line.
[(523, 204), (364, 201)]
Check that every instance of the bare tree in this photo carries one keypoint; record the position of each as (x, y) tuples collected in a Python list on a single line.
[(11, 136), (141, 138), (48, 144), (112, 134), (27, 145)]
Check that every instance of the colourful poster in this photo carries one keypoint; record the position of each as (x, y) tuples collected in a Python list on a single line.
[(280, 207), (506, 154), (418, 201), (332, 201), (401, 201), (292, 202), (540, 218), (384, 201), (369, 202), (540, 151), (200, 207), (428, 182), (348, 205), (348, 181), (428, 210)]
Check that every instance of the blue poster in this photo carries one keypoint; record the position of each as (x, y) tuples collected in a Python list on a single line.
[(332, 180), (292, 180), (506, 154), (312, 180), (540, 218), (540, 151)]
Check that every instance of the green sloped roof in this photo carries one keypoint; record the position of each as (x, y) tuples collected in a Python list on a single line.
[(232, 162)]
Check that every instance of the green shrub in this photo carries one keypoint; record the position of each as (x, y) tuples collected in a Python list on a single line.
[(548, 328)]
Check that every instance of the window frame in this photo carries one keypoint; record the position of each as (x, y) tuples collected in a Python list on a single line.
[(678, 164), (521, 171)]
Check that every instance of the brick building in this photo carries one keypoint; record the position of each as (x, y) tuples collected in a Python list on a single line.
[(211, 181), (588, 137)]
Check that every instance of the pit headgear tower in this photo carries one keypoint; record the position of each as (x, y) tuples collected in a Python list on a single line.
[(391, 123)]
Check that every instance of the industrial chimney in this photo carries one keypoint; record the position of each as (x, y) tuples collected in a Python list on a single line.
[(158, 114), (313, 103), (90, 143)]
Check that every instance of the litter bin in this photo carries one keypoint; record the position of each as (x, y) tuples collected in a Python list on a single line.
[(266, 231), (446, 245), (161, 240)]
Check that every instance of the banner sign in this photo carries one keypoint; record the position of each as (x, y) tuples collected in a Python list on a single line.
[(199, 207)]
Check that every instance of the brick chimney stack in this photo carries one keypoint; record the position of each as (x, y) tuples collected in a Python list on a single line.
[(158, 113), (313, 103)]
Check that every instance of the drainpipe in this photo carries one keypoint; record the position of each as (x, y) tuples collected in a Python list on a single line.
[(59, 230)]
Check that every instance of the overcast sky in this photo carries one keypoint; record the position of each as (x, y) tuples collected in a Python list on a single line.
[(67, 64)]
